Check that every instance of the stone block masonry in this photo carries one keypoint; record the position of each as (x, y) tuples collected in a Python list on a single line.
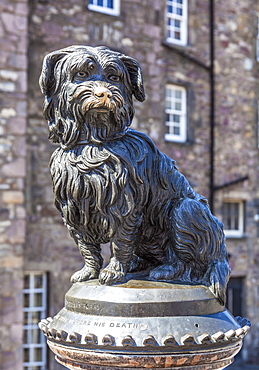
[(13, 120)]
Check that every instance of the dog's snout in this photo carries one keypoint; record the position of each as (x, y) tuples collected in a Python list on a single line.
[(102, 92)]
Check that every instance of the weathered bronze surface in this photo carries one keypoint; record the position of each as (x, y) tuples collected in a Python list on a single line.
[(168, 254), (111, 184)]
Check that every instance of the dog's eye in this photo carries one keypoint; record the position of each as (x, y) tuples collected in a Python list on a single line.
[(81, 74), (114, 78), (91, 66)]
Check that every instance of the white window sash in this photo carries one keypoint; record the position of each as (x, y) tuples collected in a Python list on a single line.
[(183, 25), (29, 326), (236, 233), (182, 137), (105, 9)]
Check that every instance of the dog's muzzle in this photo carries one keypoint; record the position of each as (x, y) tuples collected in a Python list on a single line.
[(96, 96)]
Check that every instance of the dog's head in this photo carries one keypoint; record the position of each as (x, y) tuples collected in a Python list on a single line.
[(88, 93)]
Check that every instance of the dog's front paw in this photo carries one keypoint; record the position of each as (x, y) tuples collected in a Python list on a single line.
[(114, 273), (86, 273)]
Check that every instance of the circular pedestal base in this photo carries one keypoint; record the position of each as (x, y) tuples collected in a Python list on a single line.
[(143, 324), (76, 359)]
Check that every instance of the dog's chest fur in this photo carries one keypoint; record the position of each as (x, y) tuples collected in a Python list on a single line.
[(97, 186)]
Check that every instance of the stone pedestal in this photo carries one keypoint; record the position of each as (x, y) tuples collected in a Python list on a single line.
[(143, 324)]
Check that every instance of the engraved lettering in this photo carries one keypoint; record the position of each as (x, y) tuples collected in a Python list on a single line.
[(100, 324)]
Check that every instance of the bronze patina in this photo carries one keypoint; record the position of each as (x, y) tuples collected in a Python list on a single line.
[(160, 301)]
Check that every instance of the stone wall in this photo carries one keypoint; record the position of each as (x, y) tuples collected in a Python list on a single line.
[(13, 120), (236, 152)]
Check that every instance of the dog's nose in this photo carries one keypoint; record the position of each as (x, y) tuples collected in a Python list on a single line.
[(102, 93)]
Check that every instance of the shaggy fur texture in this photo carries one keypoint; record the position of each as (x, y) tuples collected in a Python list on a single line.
[(111, 184)]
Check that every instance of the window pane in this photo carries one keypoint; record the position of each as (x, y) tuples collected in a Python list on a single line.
[(37, 354), (25, 336), (26, 300), (100, 2), (26, 281), (26, 355), (168, 104), (177, 35), (170, 9), (110, 4), (178, 106), (168, 92), (176, 118), (176, 130), (91, 1), (25, 318), (35, 317), (35, 336), (38, 281), (177, 23), (37, 300), (179, 11), (178, 94)]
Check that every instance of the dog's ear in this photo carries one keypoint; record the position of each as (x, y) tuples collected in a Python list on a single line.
[(49, 83), (47, 80), (136, 76)]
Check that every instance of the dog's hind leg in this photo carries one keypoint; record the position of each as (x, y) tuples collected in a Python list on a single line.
[(173, 269), (93, 262)]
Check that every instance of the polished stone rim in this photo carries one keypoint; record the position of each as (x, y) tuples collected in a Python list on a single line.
[(140, 299)]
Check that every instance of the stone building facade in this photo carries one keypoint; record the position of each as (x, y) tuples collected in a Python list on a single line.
[(220, 161)]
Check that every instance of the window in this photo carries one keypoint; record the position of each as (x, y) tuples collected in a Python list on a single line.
[(177, 21), (235, 298), (175, 110), (111, 7), (233, 218), (35, 300), (235, 295)]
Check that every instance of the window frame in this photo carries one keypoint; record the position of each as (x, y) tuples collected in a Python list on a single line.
[(169, 136), (104, 8), (239, 232), (30, 326), (183, 19)]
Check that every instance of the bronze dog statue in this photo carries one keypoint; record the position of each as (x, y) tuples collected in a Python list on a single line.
[(111, 184)]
